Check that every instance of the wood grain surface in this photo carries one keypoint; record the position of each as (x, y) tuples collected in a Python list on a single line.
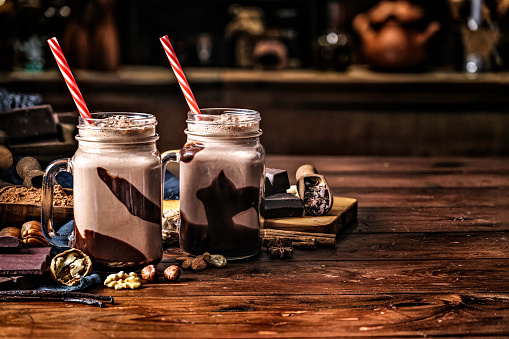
[(427, 257)]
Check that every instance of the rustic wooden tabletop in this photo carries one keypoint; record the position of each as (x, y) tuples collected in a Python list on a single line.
[(427, 257)]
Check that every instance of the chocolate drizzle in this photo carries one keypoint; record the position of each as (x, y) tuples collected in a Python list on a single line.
[(189, 150), (222, 201), (135, 202), (105, 249)]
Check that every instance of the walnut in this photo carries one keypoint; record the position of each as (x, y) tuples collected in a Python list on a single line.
[(69, 266), (122, 280)]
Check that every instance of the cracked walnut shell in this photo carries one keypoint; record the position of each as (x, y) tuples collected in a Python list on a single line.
[(69, 266)]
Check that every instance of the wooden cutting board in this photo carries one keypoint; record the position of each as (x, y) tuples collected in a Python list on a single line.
[(343, 212)]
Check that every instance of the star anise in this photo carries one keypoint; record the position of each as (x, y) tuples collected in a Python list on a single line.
[(280, 248)]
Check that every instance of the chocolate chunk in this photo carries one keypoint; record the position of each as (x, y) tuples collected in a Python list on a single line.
[(31, 260), (281, 205), (276, 181)]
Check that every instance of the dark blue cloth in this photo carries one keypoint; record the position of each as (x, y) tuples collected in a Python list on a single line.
[(88, 282), (61, 238), (10, 100)]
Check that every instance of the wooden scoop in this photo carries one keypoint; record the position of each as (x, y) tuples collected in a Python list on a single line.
[(313, 190), (29, 169)]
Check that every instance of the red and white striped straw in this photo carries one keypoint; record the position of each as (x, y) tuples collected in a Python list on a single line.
[(177, 69), (69, 79)]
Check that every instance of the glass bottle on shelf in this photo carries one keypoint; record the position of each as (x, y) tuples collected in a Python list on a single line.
[(333, 48)]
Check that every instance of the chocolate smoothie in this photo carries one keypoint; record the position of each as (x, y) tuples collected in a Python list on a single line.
[(117, 191), (221, 185)]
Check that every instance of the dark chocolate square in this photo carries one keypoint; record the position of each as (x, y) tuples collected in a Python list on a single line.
[(282, 205), (276, 181)]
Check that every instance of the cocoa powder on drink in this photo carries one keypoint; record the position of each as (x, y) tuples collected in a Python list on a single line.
[(33, 196)]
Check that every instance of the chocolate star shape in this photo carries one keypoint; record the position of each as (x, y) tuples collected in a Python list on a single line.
[(222, 201)]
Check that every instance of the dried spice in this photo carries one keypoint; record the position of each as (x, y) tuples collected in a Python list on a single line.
[(63, 296), (316, 197), (280, 248), (313, 190)]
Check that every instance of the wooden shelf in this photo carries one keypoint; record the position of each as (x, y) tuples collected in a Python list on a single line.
[(157, 75), (358, 112)]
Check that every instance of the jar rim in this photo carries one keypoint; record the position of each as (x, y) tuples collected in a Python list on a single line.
[(227, 123), (104, 120), (224, 116)]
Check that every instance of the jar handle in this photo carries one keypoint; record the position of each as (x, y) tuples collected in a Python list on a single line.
[(48, 184), (170, 156)]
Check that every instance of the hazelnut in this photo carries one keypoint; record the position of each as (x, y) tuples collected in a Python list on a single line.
[(149, 273), (186, 264), (198, 263), (172, 273)]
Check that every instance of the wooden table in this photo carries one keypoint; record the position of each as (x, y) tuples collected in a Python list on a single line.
[(428, 257)]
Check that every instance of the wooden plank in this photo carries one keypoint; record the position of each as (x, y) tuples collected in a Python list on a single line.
[(427, 180), (436, 219), (421, 246), (402, 165), (407, 246), (428, 197), (413, 315), (340, 277)]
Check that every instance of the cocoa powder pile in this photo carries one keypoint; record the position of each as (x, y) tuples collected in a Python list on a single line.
[(33, 196)]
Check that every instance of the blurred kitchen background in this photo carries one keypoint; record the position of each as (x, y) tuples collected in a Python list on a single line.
[(349, 77)]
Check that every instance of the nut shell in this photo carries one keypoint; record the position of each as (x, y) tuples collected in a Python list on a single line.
[(149, 273), (31, 234), (217, 260), (61, 267), (172, 273), (198, 264), (186, 264)]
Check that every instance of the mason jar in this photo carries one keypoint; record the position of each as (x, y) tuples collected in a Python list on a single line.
[(222, 173), (117, 188)]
